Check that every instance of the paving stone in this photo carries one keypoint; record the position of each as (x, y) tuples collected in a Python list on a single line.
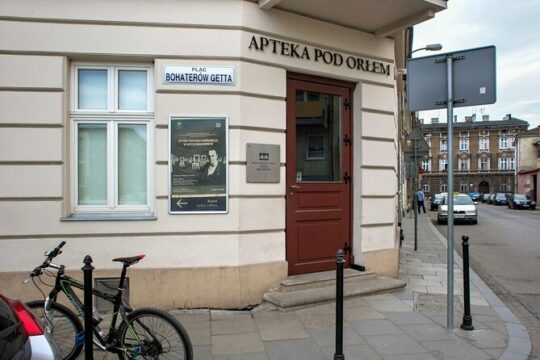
[(375, 327), (454, 349), (246, 356), (280, 326), (303, 349), (236, 344), (394, 344), (427, 332), (327, 337), (202, 353), (408, 317), (241, 325), (483, 338), (353, 352), (361, 313)]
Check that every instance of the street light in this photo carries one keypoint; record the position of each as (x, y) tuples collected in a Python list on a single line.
[(430, 47)]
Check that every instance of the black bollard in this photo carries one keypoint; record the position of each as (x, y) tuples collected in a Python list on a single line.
[(88, 323), (467, 319), (338, 355)]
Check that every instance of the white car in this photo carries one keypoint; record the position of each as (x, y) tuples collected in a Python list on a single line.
[(464, 210)]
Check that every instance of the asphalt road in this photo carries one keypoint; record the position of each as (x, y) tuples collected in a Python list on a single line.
[(505, 252)]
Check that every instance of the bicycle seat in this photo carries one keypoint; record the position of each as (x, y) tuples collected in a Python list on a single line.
[(130, 260)]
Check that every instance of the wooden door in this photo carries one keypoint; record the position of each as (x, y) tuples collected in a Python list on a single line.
[(318, 173)]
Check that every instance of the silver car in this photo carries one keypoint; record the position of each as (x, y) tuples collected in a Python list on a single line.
[(464, 210)]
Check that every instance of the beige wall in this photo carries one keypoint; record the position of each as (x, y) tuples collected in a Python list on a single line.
[(35, 136)]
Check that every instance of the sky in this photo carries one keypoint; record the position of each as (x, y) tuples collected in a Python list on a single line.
[(513, 27)]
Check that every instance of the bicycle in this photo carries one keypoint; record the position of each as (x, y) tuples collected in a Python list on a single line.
[(145, 333)]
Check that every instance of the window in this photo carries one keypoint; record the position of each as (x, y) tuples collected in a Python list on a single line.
[(504, 164), (444, 146), (425, 187), (111, 115), (503, 142), (426, 165), (463, 144), (503, 187), (463, 187), (443, 164), (464, 164), (484, 164), (444, 187), (512, 163), (484, 143)]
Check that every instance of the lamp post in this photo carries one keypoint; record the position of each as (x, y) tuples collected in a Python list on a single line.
[(429, 47)]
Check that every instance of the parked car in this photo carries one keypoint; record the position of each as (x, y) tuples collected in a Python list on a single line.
[(485, 198), (435, 201), (475, 196), (520, 201), (491, 198), (464, 210), (21, 335), (500, 199)]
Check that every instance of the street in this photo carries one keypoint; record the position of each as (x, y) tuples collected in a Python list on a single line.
[(505, 253)]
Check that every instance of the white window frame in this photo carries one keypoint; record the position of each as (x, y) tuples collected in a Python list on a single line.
[(112, 117), (463, 187), (463, 144), (426, 165), (480, 161), (483, 143), (442, 163), (464, 164), (503, 142), (426, 187), (444, 144), (444, 187), (504, 164)]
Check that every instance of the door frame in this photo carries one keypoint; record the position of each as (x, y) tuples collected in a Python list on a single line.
[(291, 154)]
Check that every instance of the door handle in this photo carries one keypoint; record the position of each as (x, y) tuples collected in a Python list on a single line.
[(294, 187)]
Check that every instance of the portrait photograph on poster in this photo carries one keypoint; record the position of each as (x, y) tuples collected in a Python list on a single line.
[(198, 165)]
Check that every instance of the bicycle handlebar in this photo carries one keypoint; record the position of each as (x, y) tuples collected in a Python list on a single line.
[(38, 270)]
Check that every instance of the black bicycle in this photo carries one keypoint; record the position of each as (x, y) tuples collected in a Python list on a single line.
[(145, 333)]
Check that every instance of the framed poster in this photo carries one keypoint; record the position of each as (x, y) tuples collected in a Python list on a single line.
[(198, 164)]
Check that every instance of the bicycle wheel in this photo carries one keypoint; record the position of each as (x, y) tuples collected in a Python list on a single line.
[(66, 328), (154, 334)]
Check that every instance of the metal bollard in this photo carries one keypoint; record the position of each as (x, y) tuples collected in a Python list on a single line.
[(338, 355), (467, 319), (88, 325)]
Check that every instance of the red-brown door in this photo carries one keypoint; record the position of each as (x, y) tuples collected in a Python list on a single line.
[(318, 173)]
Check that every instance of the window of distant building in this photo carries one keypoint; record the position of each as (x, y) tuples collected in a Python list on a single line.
[(484, 164), (444, 145), (444, 187), (464, 164), (503, 142), (463, 144), (426, 187), (426, 165), (443, 164), (463, 187), (484, 143)]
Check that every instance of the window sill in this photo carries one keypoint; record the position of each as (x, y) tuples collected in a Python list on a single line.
[(117, 216)]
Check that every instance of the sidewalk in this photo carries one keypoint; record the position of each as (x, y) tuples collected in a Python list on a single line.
[(408, 324)]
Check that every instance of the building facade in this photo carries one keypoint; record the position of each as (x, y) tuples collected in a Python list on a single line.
[(528, 170), (233, 142), (485, 155)]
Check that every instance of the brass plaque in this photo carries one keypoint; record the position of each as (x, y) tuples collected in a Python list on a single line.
[(263, 164)]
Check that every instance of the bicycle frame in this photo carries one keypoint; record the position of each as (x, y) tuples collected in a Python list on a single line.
[(65, 284)]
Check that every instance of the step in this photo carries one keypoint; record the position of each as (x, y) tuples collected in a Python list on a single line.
[(322, 279), (287, 301)]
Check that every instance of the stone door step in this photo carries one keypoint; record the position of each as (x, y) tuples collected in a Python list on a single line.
[(322, 279), (286, 301)]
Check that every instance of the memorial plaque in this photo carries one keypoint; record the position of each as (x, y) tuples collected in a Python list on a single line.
[(263, 164)]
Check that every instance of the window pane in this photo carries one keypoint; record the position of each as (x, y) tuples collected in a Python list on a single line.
[(132, 164), (92, 164), (92, 89), (132, 89), (318, 136)]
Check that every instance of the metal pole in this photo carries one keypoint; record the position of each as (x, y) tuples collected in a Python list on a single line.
[(450, 197), (338, 355), (416, 209), (88, 323), (467, 318)]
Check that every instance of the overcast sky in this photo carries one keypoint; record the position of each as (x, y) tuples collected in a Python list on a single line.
[(514, 28)]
